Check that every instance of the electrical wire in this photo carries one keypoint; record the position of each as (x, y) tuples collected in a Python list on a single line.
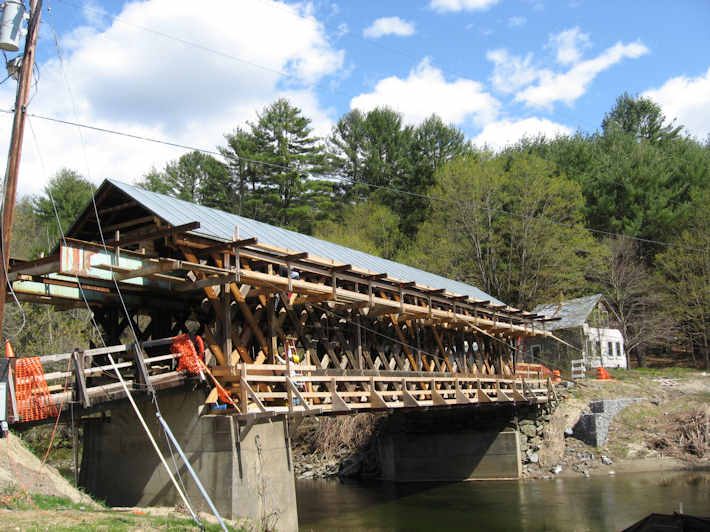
[(116, 370), (118, 289), (371, 185), (192, 44)]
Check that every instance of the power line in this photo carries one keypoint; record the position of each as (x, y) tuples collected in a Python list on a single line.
[(180, 40), (371, 185)]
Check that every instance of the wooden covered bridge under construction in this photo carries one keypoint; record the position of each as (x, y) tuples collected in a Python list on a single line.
[(293, 326)]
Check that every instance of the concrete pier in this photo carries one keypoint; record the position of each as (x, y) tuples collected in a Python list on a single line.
[(453, 445), (248, 476)]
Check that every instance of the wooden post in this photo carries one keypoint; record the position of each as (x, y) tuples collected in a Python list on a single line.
[(358, 341), (15, 152), (78, 362), (75, 445), (271, 318)]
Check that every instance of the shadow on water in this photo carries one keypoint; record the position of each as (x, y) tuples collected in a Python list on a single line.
[(577, 504)]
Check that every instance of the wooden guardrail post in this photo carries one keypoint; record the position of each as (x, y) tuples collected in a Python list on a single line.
[(79, 378)]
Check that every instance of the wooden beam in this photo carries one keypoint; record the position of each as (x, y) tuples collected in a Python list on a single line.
[(482, 396), (129, 223), (119, 207), (338, 405), (160, 233), (407, 398), (80, 378), (145, 271), (226, 246), (436, 397)]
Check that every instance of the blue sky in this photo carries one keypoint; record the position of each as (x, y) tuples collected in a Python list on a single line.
[(188, 72)]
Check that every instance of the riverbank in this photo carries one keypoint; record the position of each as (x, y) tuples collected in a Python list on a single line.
[(664, 430)]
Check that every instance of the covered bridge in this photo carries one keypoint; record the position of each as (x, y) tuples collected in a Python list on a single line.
[(272, 303)]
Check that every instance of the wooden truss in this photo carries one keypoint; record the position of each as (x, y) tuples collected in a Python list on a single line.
[(363, 340)]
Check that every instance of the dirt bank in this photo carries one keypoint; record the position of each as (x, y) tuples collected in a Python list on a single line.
[(666, 430), (20, 469)]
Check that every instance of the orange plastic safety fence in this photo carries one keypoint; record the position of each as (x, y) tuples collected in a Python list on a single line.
[(32, 392), (189, 358), (193, 362)]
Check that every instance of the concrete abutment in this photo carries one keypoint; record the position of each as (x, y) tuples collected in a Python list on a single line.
[(247, 477), (450, 445)]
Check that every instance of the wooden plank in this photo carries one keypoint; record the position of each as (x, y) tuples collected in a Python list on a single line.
[(338, 405), (129, 223), (145, 271), (119, 207), (226, 246), (136, 352), (517, 396), (436, 397), (407, 398), (297, 393), (250, 392), (482, 396), (160, 233), (13, 398), (376, 400), (80, 379), (461, 398)]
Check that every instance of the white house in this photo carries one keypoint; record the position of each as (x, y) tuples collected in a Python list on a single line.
[(583, 323)]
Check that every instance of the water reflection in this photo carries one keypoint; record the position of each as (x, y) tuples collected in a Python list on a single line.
[(579, 504)]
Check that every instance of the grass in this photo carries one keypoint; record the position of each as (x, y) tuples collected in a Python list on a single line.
[(667, 373), (49, 512)]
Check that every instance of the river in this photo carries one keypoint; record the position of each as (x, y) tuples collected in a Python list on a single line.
[(569, 505)]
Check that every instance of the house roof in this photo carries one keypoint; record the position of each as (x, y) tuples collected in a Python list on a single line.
[(571, 313), (219, 225)]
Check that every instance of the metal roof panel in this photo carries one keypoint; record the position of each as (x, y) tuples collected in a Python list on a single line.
[(572, 313), (220, 225)]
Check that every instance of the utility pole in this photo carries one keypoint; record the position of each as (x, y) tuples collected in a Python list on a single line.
[(13, 158)]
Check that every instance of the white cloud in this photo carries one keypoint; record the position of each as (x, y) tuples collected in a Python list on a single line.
[(443, 6), (389, 26), (516, 22), (572, 84), (128, 79), (426, 91), (511, 72), (569, 45), (687, 100), (502, 133)]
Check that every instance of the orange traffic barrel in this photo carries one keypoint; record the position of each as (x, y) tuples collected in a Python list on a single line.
[(9, 351), (556, 377)]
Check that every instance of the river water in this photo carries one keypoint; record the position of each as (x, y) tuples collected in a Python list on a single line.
[(569, 505)]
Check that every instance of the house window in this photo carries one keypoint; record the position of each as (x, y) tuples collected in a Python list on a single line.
[(610, 349), (598, 347), (618, 349)]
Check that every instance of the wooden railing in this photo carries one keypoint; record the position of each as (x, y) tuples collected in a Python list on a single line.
[(269, 390)]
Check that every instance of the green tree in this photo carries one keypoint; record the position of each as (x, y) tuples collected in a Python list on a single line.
[(290, 158), (195, 177), (435, 143), (29, 234), (71, 193), (634, 300), (640, 117), (509, 225), (684, 272), (347, 152), (368, 227), (241, 154)]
